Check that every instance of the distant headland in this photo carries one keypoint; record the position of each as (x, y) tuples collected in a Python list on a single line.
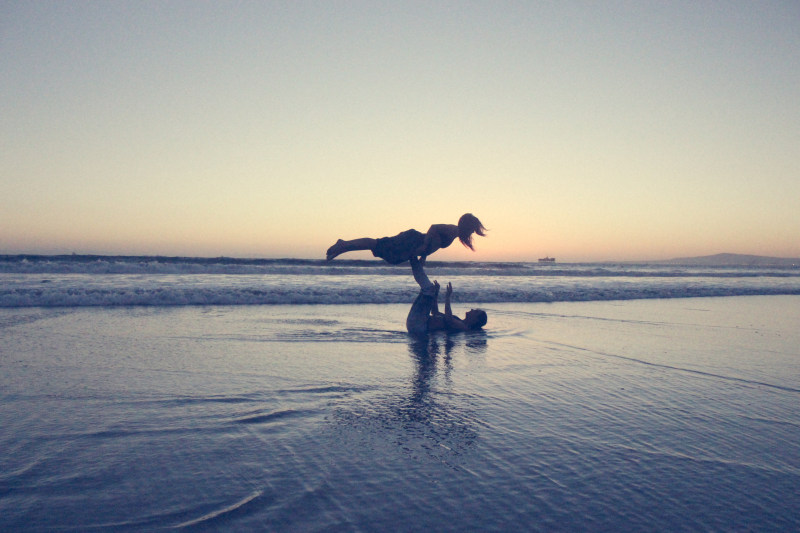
[(732, 260)]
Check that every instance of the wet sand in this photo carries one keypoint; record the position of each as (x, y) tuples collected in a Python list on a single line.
[(638, 415)]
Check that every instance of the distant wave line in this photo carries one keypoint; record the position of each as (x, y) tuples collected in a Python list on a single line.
[(155, 265)]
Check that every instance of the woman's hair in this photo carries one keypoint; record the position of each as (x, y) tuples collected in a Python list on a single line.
[(467, 225)]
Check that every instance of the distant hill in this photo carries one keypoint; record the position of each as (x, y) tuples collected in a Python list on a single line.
[(733, 259)]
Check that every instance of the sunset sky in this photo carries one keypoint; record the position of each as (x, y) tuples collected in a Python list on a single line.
[(588, 131)]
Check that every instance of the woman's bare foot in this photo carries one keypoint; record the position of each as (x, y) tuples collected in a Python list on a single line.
[(335, 250)]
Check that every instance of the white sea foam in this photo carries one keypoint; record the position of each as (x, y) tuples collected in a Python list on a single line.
[(67, 281)]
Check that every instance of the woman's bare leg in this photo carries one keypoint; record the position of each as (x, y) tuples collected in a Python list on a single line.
[(341, 246), (417, 319), (419, 273)]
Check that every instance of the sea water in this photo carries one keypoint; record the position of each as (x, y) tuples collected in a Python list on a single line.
[(47, 281), (610, 414)]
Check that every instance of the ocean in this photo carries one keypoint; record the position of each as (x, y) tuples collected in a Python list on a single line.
[(141, 394), (67, 281)]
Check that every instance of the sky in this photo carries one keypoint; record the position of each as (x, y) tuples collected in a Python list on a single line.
[(587, 131)]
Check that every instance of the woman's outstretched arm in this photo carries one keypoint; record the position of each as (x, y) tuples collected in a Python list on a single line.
[(453, 322), (435, 310), (448, 293)]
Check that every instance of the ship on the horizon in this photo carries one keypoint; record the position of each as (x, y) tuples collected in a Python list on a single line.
[(547, 259)]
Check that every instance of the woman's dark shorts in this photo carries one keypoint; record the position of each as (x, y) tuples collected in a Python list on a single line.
[(400, 248)]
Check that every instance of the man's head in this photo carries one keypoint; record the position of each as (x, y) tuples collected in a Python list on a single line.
[(475, 318)]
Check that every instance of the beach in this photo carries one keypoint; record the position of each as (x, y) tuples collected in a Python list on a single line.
[(640, 415), (213, 217)]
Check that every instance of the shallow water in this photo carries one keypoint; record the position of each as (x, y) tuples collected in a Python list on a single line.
[(637, 415)]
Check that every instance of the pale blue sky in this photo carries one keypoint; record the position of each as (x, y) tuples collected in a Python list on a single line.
[(583, 130)]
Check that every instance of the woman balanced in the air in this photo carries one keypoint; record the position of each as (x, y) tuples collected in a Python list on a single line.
[(412, 243)]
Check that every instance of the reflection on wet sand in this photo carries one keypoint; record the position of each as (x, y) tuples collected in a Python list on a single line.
[(426, 414)]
